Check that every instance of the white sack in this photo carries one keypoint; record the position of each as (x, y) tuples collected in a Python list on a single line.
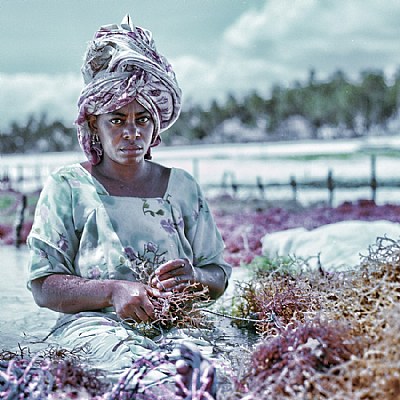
[(339, 245)]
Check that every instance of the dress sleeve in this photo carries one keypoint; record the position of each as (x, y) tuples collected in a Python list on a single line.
[(201, 230), (53, 239)]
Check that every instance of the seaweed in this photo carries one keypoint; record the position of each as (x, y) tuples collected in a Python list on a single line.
[(277, 296), (42, 377), (36, 377), (181, 309), (286, 364), (341, 344)]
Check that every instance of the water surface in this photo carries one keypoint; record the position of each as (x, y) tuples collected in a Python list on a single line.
[(21, 320)]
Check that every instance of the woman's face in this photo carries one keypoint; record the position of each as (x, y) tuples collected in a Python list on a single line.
[(125, 134)]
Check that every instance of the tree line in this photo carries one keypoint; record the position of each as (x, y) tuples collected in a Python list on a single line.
[(337, 105)]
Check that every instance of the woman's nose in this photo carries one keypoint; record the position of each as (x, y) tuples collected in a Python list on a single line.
[(131, 132)]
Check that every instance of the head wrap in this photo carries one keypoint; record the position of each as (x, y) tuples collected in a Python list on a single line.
[(122, 64)]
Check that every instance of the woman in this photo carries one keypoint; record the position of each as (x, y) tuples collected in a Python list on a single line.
[(113, 232)]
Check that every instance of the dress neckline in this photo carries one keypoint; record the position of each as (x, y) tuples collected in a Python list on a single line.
[(102, 190)]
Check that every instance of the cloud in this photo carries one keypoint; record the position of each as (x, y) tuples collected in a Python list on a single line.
[(277, 42), (327, 35), (285, 39), (25, 94)]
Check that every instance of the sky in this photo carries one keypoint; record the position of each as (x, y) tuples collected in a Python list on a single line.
[(216, 47)]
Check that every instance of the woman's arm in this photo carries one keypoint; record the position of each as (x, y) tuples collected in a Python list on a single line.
[(72, 294), (212, 276), (177, 274)]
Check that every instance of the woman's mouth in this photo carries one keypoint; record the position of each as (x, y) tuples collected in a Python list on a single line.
[(131, 149)]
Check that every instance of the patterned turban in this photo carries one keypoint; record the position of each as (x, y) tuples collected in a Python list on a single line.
[(122, 64)]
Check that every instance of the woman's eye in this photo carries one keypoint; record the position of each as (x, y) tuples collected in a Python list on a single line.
[(116, 121), (143, 120)]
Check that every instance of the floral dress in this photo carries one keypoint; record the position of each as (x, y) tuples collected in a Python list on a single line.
[(79, 229)]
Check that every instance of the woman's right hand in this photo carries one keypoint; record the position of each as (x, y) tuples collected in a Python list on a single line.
[(131, 300), (72, 294)]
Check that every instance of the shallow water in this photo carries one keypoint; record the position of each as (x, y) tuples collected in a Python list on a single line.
[(21, 320), (244, 163)]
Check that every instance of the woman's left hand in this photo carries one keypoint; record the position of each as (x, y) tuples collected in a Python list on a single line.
[(174, 275)]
